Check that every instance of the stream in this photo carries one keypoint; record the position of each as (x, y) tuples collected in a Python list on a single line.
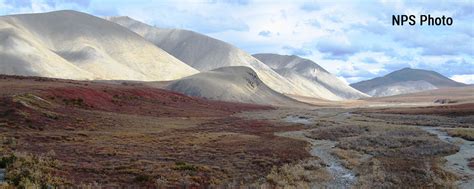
[(341, 177), (297, 119), (2, 176), (457, 162), (345, 178)]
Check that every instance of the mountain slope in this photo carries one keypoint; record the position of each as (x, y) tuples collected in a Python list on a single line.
[(401, 88), (235, 84), (415, 76), (309, 75), (205, 53), (74, 45)]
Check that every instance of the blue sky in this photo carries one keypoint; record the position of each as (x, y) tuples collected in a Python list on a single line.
[(354, 40)]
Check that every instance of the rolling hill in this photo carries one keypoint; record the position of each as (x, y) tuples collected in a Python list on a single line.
[(74, 45), (234, 84), (307, 74), (205, 53)]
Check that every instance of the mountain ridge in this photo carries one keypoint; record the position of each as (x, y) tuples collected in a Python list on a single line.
[(234, 84), (406, 75), (310, 75), (74, 45), (206, 53)]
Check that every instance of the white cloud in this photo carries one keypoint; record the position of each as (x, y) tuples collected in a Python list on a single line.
[(40, 6), (468, 78)]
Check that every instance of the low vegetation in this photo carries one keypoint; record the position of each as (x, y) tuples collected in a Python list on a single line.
[(471, 163), (24, 170), (182, 166), (79, 102), (115, 135), (298, 175), (464, 133), (398, 155), (349, 158), (141, 137)]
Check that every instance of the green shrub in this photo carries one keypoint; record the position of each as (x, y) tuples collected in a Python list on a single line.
[(182, 166), (4, 161), (142, 178), (26, 171), (74, 102)]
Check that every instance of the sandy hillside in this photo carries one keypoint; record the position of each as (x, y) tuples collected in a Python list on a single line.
[(235, 84), (401, 88), (307, 74), (74, 45)]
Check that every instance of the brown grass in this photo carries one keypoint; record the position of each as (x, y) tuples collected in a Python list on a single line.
[(467, 134), (400, 156), (298, 175), (30, 171), (388, 172), (465, 109), (349, 158), (471, 163)]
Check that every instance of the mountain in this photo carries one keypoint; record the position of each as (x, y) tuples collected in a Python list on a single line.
[(406, 80), (205, 53), (309, 75), (234, 84), (74, 45), (401, 88)]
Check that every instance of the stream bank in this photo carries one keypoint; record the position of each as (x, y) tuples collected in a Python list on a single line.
[(457, 162), (341, 176)]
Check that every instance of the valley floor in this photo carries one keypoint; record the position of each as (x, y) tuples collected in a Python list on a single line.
[(367, 148), (61, 132)]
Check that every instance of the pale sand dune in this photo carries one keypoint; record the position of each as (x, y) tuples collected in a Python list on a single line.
[(205, 53), (74, 45)]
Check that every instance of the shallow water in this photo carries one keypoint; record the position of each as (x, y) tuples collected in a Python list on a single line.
[(2, 175), (457, 162), (342, 177), (297, 119)]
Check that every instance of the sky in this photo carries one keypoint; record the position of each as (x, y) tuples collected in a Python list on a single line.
[(353, 40)]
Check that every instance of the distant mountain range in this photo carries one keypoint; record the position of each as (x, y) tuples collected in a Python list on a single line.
[(205, 53), (404, 81), (75, 45)]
